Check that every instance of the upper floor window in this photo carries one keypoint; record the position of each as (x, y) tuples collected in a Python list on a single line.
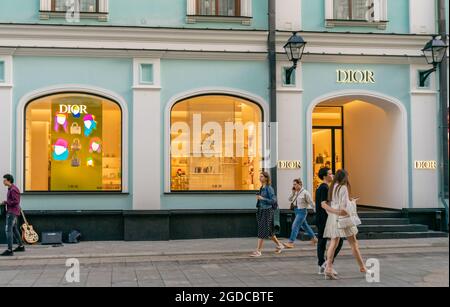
[(73, 10), (218, 7), (353, 9), (365, 13), (237, 11), (84, 6)]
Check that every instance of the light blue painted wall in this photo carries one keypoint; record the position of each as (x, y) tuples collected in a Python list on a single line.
[(179, 76), (391, 80), (313, 18), (32, 73), (146, 13)]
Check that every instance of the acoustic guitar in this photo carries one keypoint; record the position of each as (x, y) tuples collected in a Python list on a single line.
[(28, 234)]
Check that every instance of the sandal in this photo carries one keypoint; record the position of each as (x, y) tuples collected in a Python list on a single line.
[(256, 254), (279, 249)]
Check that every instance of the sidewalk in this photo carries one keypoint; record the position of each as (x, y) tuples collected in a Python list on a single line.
[(198, 249)]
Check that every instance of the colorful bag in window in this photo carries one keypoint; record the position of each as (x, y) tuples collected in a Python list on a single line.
[(75, 129), (75, 161), (76, 145)]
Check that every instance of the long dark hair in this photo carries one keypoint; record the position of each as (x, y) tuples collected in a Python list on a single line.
[(340, 179)]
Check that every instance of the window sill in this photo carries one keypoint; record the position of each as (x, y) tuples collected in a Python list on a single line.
[(46, 15), (75, 193), (211, 193), (331, 23), (246, 21)]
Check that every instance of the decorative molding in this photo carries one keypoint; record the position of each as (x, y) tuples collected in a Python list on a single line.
[(331, 23), (7, 81), (20, 118), (137, 62), (246, 21), (101, 37)]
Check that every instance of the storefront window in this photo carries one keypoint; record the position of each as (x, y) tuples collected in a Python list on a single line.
[(215, 143), (73, 142)]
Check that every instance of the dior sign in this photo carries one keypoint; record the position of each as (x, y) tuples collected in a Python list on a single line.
[(425, 165), (355, 76), (289, 164)]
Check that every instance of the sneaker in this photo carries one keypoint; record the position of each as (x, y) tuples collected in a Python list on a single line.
[(322, 269), (7, 253), (19, 249)]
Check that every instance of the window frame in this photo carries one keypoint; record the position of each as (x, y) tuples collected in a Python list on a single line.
[(243, 14), (97, 8), (210, 192), (237, 5), (379, 21), (24, 149), (47, 11)]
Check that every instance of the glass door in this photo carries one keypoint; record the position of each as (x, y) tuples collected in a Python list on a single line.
[(328, 140)]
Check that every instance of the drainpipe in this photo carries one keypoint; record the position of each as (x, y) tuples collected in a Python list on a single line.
[(272, 49), (443, 77)]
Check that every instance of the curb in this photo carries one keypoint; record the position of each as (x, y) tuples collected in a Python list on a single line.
[(212, 253)]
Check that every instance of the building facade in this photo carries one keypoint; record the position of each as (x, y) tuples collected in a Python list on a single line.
[(151, 119)]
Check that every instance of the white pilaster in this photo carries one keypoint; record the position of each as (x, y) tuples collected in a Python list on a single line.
[(290, 131), (147, 140), (424, 134), (289, 15), (6, 113), (422, 17)]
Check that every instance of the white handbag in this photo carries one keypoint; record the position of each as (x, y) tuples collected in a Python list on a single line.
[(352, 220)]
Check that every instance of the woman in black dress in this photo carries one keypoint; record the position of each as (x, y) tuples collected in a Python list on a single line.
[(265, 215)]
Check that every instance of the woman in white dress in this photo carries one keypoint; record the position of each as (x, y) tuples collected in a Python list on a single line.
[(339, 198)]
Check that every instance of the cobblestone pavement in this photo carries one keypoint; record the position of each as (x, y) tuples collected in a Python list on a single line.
[(416, 266)]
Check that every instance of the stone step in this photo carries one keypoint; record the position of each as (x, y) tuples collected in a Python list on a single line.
[(380, 214), (393, 228), (385, 221), (401, 235)]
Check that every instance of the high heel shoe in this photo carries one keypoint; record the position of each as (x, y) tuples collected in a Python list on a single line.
[(330, 276)]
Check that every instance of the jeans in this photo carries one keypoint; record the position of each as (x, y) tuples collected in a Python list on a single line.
[(300, 222), (12, 231)]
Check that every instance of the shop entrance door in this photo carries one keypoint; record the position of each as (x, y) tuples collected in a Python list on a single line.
[(328, 140)]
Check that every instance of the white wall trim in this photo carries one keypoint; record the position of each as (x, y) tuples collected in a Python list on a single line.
[(137, 62), (370, 97), (20, 116), (196, 92), (8, 62)]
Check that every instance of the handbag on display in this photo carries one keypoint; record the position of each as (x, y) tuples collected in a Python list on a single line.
[(76, 162), (75, 128), (76, 145)]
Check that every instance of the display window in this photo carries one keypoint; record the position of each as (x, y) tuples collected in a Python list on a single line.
[(73, 143), (215, 143)]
